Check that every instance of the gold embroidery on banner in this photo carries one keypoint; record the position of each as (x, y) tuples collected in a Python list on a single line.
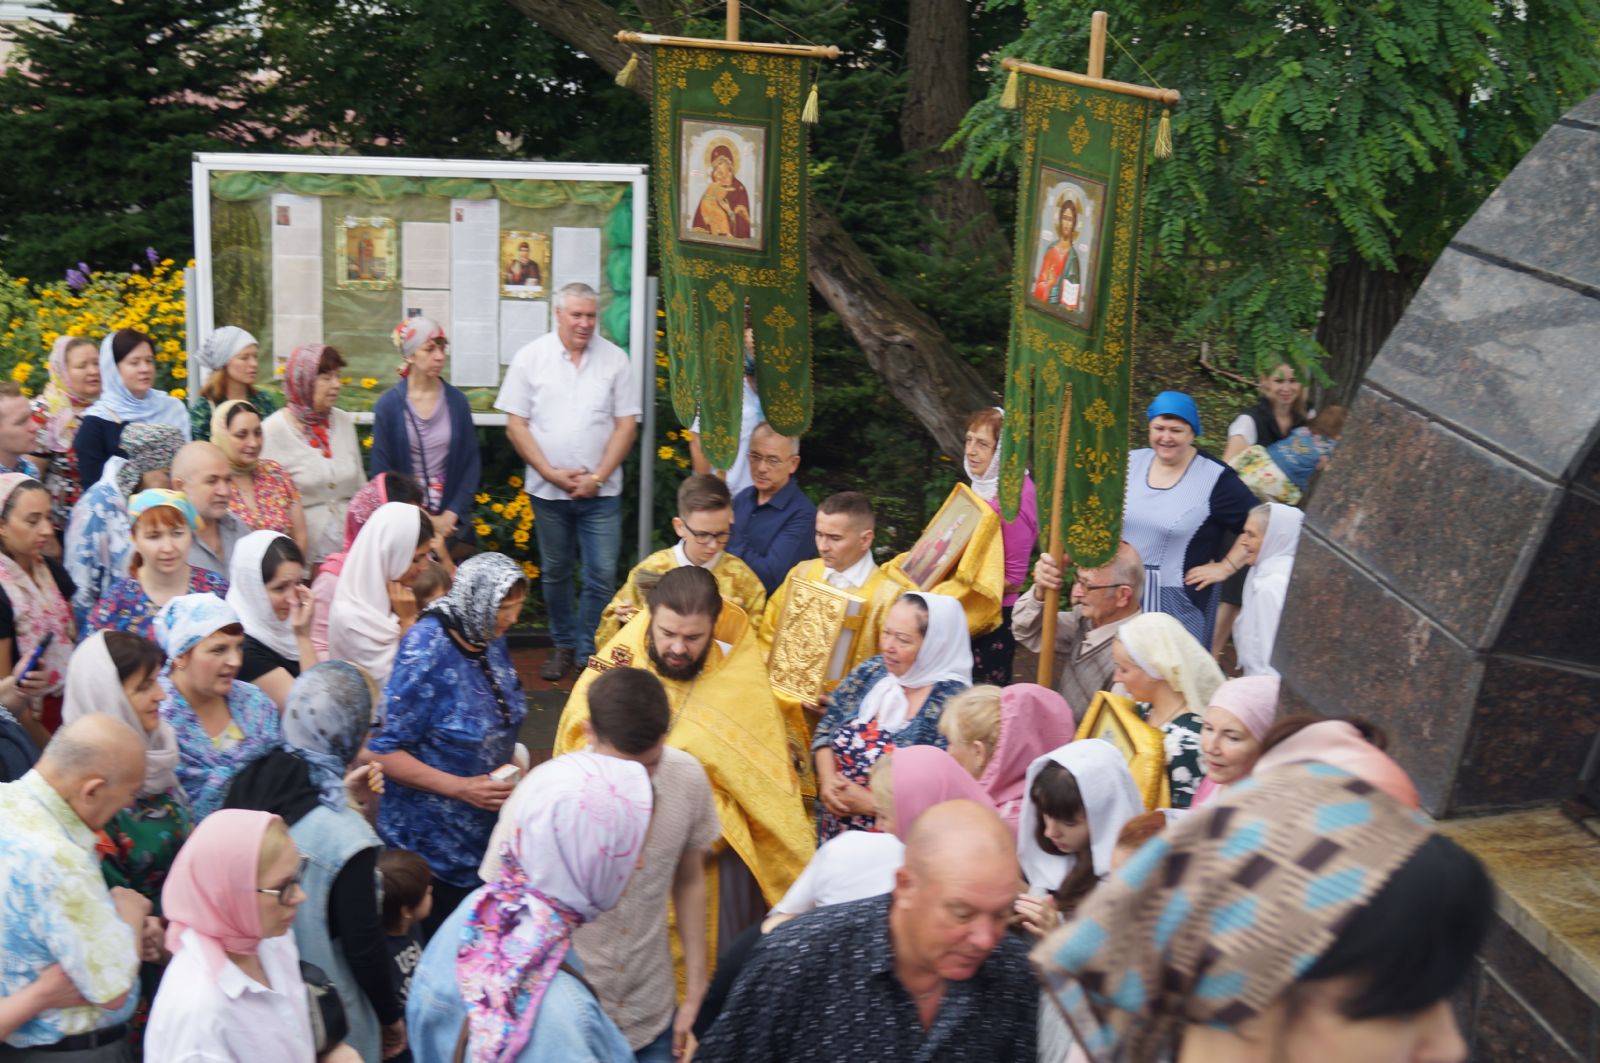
[(1079, 135), (784, 407), (724, 351), (1097, 460), (721, 297), (725, 88), (1089, 535), (780, 355)]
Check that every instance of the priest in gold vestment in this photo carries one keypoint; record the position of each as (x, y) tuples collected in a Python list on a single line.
[(706, 655), (703, 525)]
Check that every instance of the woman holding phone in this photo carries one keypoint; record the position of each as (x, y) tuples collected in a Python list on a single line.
[(36, 629)]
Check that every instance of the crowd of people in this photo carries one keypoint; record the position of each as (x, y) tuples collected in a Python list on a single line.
[(260, 766)]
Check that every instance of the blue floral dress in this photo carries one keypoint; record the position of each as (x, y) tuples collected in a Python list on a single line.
[(458, 712), (126, 607), (205, 765), (96, 546), (857, 746)]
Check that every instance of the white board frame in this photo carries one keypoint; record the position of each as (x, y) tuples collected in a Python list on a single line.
[(205, 163)]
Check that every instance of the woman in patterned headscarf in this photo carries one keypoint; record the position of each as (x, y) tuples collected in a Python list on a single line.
[(99, 540), (74, 386), (1301, 916), (453, 705), (325, 722), (316, 444), (494, 980)]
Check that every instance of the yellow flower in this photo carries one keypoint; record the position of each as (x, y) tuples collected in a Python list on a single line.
[(163, 357), (481, 529), (492, 544), (480, 498), (672, 435), (26, 391), (367, 442), (665, 453), (514, 481), (179, 393), (277, 370), (530, 570), (21, 371), (683, 463), (498, 507), (180, 373), (369, 382), (519, 537)]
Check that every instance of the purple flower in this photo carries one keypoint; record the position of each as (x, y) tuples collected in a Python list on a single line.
[(76, 279), (150, 253)]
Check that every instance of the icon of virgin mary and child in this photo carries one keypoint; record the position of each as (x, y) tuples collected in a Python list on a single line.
[(724, 208)]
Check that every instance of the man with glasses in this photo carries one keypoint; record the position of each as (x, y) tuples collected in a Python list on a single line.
[(773, 520), (1102, 600), (704, 525)]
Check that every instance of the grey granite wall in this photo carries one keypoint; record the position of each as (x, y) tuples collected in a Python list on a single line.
[(1448, 582)]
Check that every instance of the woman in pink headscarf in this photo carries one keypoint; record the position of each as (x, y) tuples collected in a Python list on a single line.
[(995, 734), (316, 444), (1233, 730), (233, 990)]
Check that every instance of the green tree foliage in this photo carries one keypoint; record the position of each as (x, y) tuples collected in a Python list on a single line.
[(1314, 135), (464, 79), (99, 116)]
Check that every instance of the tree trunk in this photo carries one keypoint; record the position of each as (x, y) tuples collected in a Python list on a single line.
[(1360, 306), (902, 344), (937, 98)]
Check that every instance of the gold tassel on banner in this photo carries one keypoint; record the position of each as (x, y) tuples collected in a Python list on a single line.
[(625, 75), (1008, 98), (1164, 134), (809, 116)]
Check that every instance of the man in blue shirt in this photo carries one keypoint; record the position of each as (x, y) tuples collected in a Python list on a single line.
[(773, 520)]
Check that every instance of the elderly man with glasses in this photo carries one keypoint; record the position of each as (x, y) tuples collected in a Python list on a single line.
[(1103, 599), (773, 520), (704, 525)]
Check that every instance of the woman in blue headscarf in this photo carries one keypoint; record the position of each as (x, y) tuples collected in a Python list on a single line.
[(128, 395)]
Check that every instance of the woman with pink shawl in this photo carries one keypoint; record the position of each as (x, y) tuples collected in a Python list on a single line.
[(995, 734), (1232, 731), (233, 990), (494, 978)]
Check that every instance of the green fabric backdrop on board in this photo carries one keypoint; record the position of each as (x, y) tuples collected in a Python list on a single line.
[(730, 187), (1074, 289), (358, 322)]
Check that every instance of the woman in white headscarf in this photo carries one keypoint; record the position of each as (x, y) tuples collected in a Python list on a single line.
[(1272, 534), (992, 653), (371, 606), (266, 587), (893, 699), (128, 395), (1162, 666), (495, 979), (231, 358)]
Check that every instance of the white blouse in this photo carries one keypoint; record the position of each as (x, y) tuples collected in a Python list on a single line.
[(847, 867), (326, 484), (231, 1018)]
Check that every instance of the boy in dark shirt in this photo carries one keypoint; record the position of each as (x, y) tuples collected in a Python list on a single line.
[(407, 900)]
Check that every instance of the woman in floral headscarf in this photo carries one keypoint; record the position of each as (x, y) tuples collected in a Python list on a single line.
[(99, 540), (74, 386), (494, 979), (453, 705), (316, 444), (422, 426)]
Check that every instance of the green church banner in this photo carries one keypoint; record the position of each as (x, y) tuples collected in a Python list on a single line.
[(730, 188), (1074, 289)]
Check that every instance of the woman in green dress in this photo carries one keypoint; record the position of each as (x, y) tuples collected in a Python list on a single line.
[(231, 358)]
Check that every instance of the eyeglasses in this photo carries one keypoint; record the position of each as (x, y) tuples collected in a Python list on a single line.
[(283, 892), (1087, 587), (707, 538), (771, 461)]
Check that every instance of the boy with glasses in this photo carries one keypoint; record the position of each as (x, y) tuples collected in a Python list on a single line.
[(704, 525)]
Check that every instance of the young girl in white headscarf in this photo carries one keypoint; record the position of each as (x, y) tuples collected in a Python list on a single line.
[(1273, 534)]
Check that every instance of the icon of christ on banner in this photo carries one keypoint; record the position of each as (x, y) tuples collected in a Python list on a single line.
[(1066, 245)]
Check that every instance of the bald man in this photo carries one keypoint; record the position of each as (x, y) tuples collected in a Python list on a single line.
[(58, 911), (928, 972), (774, 523), (1103, 599), (201, 471)]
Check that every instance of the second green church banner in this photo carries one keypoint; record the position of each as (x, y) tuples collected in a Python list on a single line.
[(730, 188)]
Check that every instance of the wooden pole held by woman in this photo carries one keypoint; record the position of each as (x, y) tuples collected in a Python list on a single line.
[(1052, 595)]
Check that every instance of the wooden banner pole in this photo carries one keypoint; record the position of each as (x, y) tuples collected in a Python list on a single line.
[(733, 20), (1097, 45), (1052, 596)]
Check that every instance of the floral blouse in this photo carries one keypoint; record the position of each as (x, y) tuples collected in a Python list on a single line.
[(457, 712), (206, 766), (276, 497), (1185, 768), (126, 607), (97, 546), (140, 843), (62, 479)]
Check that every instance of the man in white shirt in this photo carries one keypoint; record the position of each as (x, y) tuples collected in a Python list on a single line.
[(572, 413)]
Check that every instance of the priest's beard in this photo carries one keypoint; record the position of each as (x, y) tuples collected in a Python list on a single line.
[(679, 669)]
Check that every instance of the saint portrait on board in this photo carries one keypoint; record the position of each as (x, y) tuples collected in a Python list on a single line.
[(524, 264), (1066, 247), (721, 173), (366, 254)]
